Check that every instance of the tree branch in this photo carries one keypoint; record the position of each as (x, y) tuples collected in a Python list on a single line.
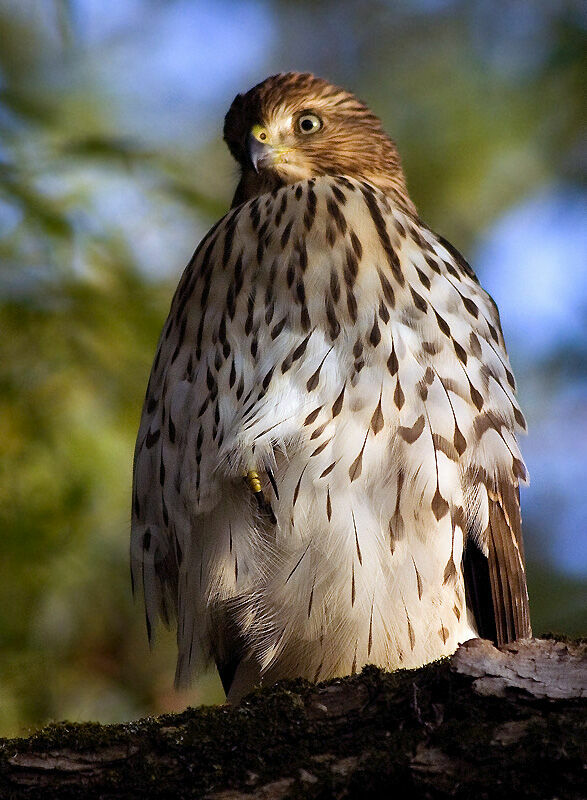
[(484, 723)]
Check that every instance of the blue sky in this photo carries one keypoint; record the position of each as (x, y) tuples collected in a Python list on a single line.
[(184, 57)]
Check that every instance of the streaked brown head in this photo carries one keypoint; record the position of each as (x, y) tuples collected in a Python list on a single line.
[(294, 126)]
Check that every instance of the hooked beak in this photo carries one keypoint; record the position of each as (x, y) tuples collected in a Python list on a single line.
[(260, 154)]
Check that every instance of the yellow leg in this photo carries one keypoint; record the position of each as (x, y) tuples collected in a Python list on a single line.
[(253, 480)]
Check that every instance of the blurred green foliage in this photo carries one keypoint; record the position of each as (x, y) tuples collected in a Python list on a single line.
[(80, 310)]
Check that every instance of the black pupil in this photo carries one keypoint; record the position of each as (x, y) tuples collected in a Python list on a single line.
[(307, 124)]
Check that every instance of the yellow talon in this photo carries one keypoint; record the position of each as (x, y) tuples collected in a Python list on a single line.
[(253, 481)]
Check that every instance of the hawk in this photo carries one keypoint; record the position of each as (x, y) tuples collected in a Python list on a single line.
[(326, 472)]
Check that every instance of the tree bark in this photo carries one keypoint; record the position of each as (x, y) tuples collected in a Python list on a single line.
[(485, 723)]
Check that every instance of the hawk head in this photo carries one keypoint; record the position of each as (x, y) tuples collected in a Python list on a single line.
[(294, 126)]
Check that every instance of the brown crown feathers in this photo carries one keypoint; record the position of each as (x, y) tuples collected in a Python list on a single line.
[(294, 126)]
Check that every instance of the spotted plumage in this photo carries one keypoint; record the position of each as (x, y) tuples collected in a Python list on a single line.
[(326, 472)]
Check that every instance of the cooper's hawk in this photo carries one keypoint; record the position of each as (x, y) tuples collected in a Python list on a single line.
[(326, 472)]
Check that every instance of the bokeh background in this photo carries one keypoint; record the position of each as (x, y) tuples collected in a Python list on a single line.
[(111, 169)]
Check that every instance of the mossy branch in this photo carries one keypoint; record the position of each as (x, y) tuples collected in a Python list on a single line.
[(485, 723)]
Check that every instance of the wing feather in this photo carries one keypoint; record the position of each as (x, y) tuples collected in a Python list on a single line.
[(495, 573), (506, 567)]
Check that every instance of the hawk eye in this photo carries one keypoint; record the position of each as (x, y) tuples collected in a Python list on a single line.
[(309, 123)]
